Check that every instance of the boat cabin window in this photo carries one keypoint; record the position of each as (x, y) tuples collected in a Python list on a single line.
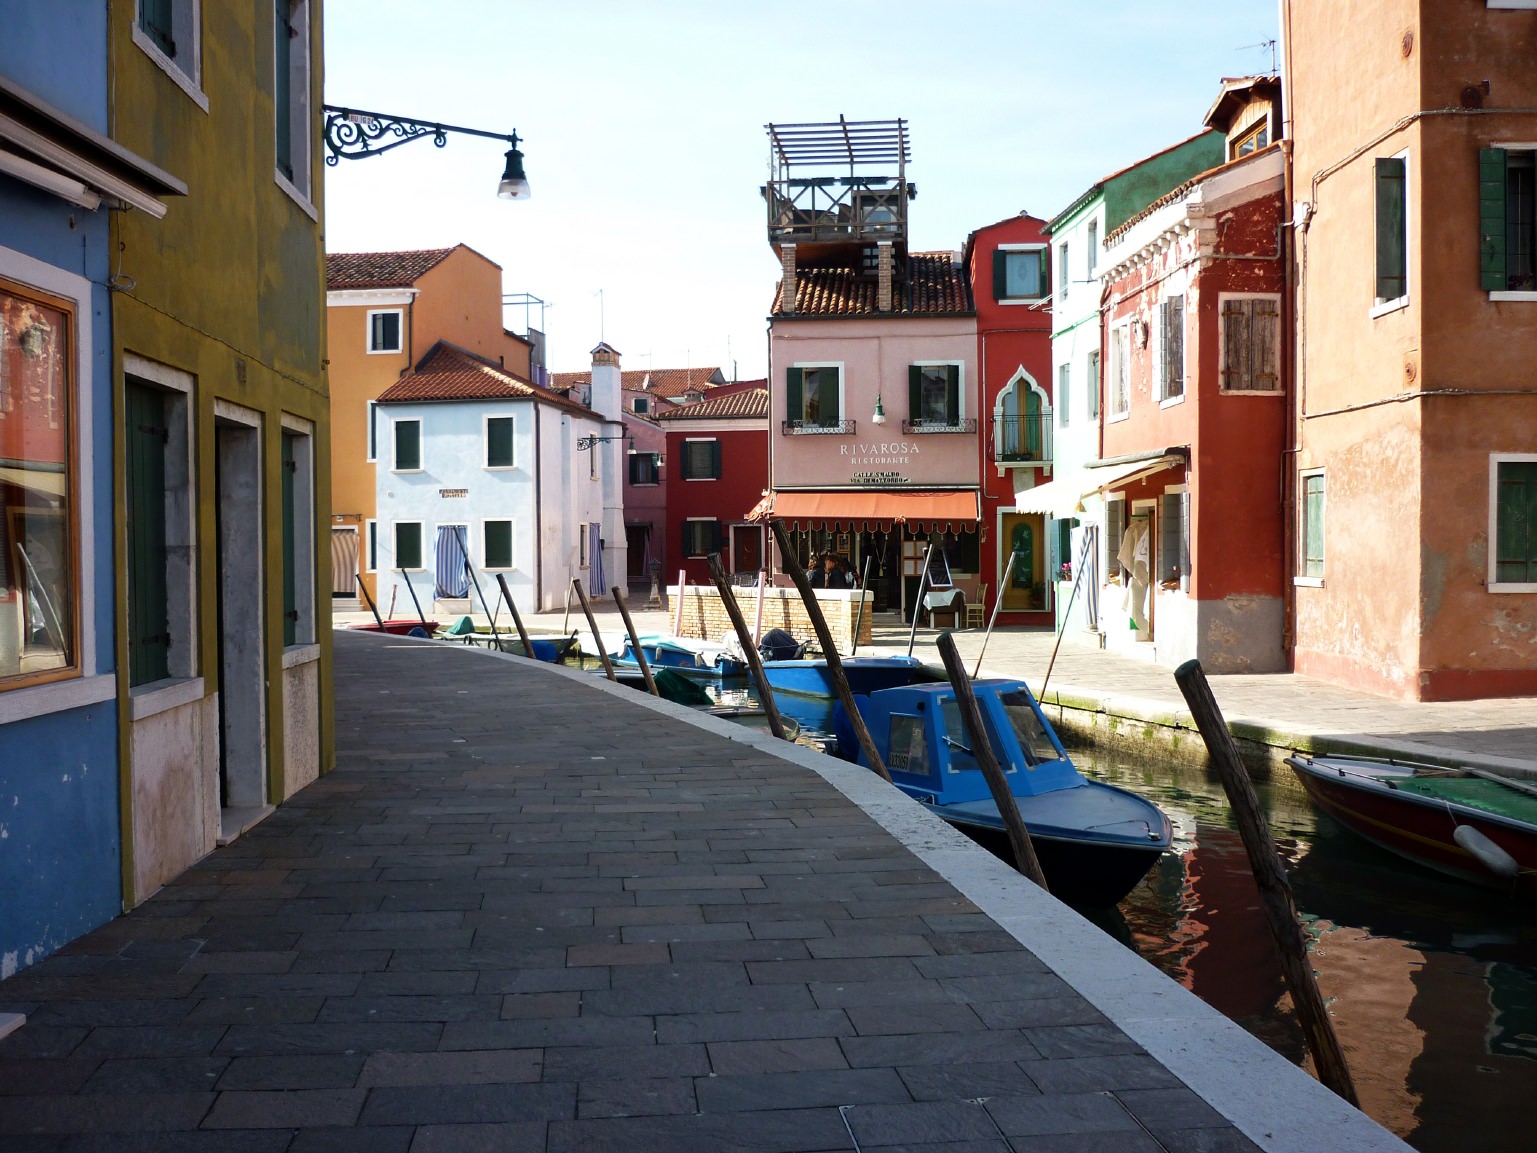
[(961, 756), (1029, 728), (909, 751)]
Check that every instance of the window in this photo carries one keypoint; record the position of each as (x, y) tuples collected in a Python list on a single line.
[(1312, 550), (384, 331), (496, 537), (298, 502), (1174, 542), (38, 592), (934, 395), (1171, 348), (499, 441), (372, 544), (1252, 140), (1093, 247), (1513, 523), (814, 396), (645, 468), (701, 537), (291, 93), (1063, 399), (583, 534), (408, 446), (1019, 274), (642, 405), (408, 544), (1062, 271), (373, 430), (701, 460), (1115, 532), (1507, 219), (1119, 400), (168, 32), (1251, 343), (1392, 282), (1091, 385)]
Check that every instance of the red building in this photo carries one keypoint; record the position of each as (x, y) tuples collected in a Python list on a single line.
[(1193, 421), (716, 471), (1008, 263)]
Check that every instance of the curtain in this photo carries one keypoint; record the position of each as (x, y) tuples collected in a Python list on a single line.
[(452, 583), (595, 575)]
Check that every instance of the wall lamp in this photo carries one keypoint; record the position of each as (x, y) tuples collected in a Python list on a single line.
[(584, 443), (352, 134)]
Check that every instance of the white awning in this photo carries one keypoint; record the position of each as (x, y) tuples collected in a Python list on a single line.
[(1063, 496)]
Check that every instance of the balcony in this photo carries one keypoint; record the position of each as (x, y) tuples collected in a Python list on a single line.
[(838, 183), (1022, 439), (922, 427), (814, 428)]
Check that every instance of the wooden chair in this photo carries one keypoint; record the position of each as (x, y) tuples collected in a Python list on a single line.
[(976, 611)]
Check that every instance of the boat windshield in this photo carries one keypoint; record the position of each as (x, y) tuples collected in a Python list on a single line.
[(956, 737), (1031, 731)]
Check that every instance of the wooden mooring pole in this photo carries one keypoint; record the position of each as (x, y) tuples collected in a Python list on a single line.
[(1275, 890), (592, 623), (749, 649), (517, 621), (640, 655)]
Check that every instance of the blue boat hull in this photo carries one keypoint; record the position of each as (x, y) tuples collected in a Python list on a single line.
[(810, 678)]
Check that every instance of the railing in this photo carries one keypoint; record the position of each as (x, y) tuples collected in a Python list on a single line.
[(812, 428), (916, 427), (1022, 438), (836, 208)]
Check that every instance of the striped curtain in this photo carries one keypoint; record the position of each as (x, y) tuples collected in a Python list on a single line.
[(595, 575), (344, 561), (1088, 565), (452, 583)]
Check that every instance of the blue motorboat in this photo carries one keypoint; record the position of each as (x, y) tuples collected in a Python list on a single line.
[(1094, 841), (687, 656), (811, 678)]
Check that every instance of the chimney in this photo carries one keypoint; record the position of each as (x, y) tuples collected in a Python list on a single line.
[(883, 276), (787, 284), (604, 396)]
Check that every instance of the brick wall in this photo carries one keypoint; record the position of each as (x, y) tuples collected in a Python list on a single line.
[(705, 616)]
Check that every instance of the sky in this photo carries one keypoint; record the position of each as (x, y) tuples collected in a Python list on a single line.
[(643, 123)]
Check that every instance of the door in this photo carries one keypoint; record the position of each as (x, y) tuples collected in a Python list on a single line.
[(746, 548), (240, 626), (1024, 535), (344, 562)]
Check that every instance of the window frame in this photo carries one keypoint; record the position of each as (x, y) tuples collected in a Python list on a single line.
[(298, 180), (1064, 271), (1119, 339), (485, 544), (1303, 577), (184, 69), (1382, 305), (652, 469), (796, 372), (1496, 214), (400, 332), (1091, 246), (1492, 583), (691, 526), (1092, 385), (371, 432), (1180, 495), (1062, 400), (685, 458), (371, 544), (512, 442), (1223, 300), (1171, 322), (299, 519), (395, 425), (955, 379), (1001, 255), (421, 545)]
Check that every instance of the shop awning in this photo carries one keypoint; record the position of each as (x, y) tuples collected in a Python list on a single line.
[(1063, 496), (858, 511)]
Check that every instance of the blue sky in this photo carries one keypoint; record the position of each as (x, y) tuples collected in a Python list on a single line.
[(643, 128)]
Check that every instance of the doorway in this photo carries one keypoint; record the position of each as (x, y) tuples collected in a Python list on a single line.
[(239, 624), (746, 548), (1024, 536)]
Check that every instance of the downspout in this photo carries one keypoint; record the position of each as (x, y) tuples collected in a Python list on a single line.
[(538, 514), (1293, 347)]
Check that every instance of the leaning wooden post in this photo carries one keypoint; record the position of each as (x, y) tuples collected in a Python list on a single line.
[(517, 621), (749, 649), (1025, 859), (373, 608), (829, 650), (597, 638), (640, 656), (1274, 889)]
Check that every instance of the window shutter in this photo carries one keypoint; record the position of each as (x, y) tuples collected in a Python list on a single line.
[(148, 616), (499, 442), (1491, 219), (1171, 536), (1235, 344), (1000, 274), (290, 568), (953, 395), (155, 20), (1265, 344), (1516, 523), (715, 459), (283, 87), (1391, 281), (914, 393), (1093, 385), (1044, 283), (795, 399), (1176, 346)]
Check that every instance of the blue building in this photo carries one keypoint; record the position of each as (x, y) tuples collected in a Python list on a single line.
[(60, 176)]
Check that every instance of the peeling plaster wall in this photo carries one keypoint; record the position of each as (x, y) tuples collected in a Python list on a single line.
[(301, 706), (175, 783)]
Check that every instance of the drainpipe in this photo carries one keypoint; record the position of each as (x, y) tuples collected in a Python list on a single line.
[(1292, 341), (538, 513)]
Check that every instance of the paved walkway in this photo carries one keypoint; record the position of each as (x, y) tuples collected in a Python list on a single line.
[(533, 911)]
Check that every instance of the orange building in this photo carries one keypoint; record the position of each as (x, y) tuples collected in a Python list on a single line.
[(384, 311), (1413, 433)]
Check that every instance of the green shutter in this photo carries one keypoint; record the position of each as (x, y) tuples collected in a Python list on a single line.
[(914, 393), (715, 459), (282, 35), (498, 541), (290, 566), (795, 398), (953, 395), (155, 20), (1392, 281), (1491, 219), (499, 442), (1043, 285), (1516, 523), (408, 445), (148, 613), (1032, 424), (1000, 274)]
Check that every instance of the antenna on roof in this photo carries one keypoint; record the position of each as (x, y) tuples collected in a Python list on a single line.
[(1270, 44)]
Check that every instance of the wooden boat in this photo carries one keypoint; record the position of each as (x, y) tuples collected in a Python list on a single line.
[(687, 656), (1094, 841), (810, 677), (550, 649), (398, 626), (755, 718), (1467, 823)]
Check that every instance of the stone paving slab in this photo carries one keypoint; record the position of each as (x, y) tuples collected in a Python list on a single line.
[(530, 911)]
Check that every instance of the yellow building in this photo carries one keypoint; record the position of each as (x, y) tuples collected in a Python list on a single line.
[(384, 311), (220, 460)]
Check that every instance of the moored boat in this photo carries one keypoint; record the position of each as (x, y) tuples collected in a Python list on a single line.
[(1094, 841), (686, 656), (398, 626), (811, 678), (1467, 823)]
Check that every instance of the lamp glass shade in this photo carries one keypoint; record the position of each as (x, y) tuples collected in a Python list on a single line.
[(880, 413), (514, 185)]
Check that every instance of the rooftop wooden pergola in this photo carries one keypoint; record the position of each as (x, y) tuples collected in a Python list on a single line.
[(833, 182)]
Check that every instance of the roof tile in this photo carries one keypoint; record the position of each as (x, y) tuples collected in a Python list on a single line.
[(381, 269), (449, 372), (934, 285), (754, 403)]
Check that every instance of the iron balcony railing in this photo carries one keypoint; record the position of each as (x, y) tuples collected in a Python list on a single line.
[(1022, 438), (928, 426), (812, 428)]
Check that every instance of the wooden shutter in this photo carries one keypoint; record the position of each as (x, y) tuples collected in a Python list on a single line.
[(1516, 523), (1265, 344), (795, 395), (1392, 281), (1000, 274), (1170, 536), (148, 612), (1491, 219), (290, 467), (1093, 385), (914, 393), (1043, 284), (1236, 368), (155, 18), (953, 394), (283, 86), (715, 459)]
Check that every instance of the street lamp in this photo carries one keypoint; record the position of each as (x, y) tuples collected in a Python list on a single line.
[(352, 134)]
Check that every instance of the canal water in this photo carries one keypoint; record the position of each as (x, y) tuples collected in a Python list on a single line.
[(1431, 983)]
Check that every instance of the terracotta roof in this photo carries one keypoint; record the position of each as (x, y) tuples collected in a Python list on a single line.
[(1184, 189), (667, 382), (449, 372), (380, 269), (934, 285), (752, 403)]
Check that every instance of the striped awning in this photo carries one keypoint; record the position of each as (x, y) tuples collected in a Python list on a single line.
[(855, 510)]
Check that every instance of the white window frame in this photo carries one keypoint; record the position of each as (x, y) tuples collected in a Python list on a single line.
[(581, 544), (187, 23), (485, 442), (1091, 246), (691, 520), (960, 387), (300, 81), (421, 447), (1093, 382), (512, 544), (1519, 294), (395, 544), (1302, 579), (1222, 299), (843, 381), (1383, 307), (1062, 398), (1064, 271), (400, 332), (1491, 583), (1120, 369), (1045, 286), (683, 464)]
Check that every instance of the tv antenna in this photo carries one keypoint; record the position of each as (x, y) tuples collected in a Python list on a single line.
[(1268, 44)]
